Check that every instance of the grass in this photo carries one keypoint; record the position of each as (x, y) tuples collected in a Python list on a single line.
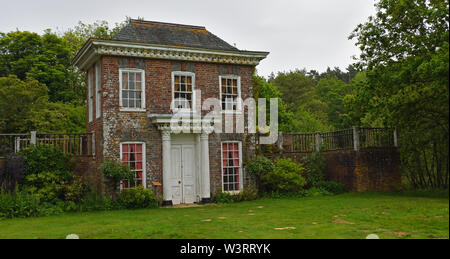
[(343, 216)]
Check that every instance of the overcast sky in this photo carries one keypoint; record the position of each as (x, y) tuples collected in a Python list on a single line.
[(309, 34)]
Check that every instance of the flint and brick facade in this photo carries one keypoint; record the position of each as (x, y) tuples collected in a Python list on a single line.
[(115, 126)]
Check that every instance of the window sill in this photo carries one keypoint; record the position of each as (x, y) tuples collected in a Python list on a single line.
[(233, 192), (231, 112), (132, 110)]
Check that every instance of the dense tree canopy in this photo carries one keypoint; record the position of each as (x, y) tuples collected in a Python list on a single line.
[(405, 50)]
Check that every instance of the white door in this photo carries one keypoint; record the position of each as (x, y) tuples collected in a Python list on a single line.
[(183, 174), (176, 177)]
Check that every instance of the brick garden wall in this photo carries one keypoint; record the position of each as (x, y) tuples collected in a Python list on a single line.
[(369, 169)]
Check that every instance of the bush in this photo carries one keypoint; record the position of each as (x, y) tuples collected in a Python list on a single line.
[(286, 177), (248, 194), (138, 198), (94, 201), (45, 158), (314, 192), (314, 168), (115, 172), (19, 204), (258, 167), (56, 186), (332, 187), (223, 197)]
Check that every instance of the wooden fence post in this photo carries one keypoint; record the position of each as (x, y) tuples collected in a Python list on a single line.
[(395, 137), (356, 144), (318, 141), (33, 138)]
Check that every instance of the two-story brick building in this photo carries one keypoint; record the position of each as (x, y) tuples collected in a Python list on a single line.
[(142, 76)]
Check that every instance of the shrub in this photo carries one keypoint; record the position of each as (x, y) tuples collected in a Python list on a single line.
[(314, 167), (94, 201), (45, 158), (19, 204), (115, 172), (248, 194), (223, 197), (138, 198), (286, 177), (56, 186), (259, 166), (314, 192), (332, 187)]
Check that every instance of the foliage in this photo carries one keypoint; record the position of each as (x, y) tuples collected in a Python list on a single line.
[(45, 58), (314, 168), (223, 197), (19, 204), (25, 107), (46, 158), (405, 50), (115, 172), (13, 171), (138, 198), (54, 186), (331, 187), (17, 100), (286, 176), (248, 194), (263, 89), (332, 92), (259, 165), (95, 201)]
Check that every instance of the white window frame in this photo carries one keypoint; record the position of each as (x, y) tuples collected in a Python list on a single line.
[(90, 95), (172, 103), (138, 109), (98, 82), (144, 154), (241, 173), (239, 97)]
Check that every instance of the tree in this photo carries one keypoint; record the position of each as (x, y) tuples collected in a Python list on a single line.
[(17, 100), (24, 107), (332, 92), (45, 58), (405, 50)]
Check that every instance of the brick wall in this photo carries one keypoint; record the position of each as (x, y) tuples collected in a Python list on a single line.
[(369, 169)]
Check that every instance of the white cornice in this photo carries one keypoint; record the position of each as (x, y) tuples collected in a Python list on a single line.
[(95, 48)]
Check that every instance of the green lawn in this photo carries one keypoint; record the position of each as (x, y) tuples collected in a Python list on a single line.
[(342, 216)]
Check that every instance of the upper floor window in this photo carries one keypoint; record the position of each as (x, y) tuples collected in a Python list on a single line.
[(230, 93), (183, 84), (97, 90), (132, 89), (91, 95)]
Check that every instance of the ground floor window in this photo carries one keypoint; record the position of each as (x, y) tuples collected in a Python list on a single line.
[(231, 166), (133, 154)]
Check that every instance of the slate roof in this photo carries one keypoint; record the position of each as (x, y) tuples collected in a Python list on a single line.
[(171, 34)]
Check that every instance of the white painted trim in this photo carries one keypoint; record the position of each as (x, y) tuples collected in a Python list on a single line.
[(144, 162), (98, 94), (239, 104), (90, 96), (241, 174), (98, 47), (126, 109), (183, 73)]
